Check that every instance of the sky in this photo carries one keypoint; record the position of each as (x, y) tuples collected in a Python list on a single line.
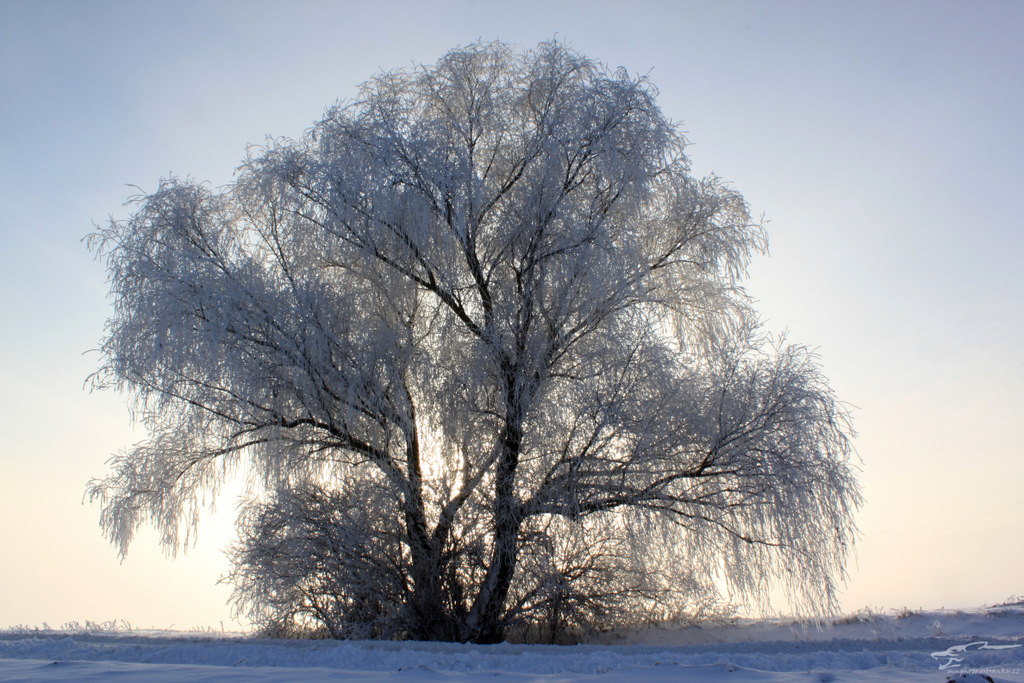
[(881, 140)]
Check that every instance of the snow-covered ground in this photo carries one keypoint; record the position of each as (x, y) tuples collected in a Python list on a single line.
[(986, 644)]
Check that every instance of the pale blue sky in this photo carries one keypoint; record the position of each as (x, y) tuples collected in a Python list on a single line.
[(882, 140)]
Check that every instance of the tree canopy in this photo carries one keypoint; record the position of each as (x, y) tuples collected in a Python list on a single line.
[(480, 342)]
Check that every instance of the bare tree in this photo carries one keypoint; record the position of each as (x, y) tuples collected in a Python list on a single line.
[(481, 341)]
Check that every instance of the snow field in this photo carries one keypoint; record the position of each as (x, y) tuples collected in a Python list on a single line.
[(926, 646)]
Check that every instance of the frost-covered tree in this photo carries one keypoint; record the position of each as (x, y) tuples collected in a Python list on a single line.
[(480, 343)]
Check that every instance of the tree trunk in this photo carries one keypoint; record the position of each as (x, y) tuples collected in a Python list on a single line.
[(484, 621)]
